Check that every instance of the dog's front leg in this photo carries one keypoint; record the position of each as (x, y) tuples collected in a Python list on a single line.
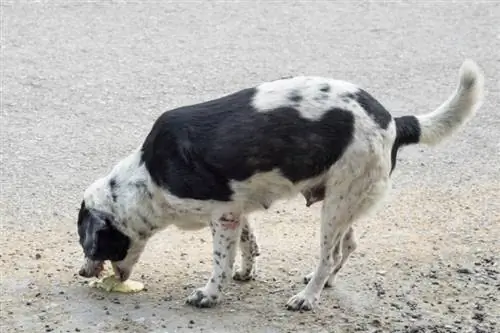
[(123, 269), (226, 230)]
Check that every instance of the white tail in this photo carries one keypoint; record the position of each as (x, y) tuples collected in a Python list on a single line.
[(457, 110)]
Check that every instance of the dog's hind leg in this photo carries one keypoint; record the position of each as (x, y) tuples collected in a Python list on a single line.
[(348, 247), (226, 229), (341, 207), (249, 251)]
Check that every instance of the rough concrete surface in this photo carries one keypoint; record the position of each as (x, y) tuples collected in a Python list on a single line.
[(82, 82)]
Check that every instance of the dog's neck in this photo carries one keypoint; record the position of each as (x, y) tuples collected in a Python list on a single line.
[(127, 193), (140, 208)]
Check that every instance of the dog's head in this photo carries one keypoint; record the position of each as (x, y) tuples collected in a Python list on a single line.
[(100, 240)]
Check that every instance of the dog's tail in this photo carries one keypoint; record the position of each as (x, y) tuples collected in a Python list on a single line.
[(434, 127)]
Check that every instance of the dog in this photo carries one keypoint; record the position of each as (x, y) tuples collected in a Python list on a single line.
[(213, 163)]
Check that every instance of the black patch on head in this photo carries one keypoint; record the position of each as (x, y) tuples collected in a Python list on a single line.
[(99, 238), (325, 87), (295, 96), (374, 109), (195, 151), (407, 132), (112, 188)]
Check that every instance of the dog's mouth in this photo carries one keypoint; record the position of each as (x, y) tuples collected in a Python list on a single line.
[(91, 268)]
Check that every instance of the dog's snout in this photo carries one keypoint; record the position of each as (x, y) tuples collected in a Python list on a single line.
[(83, 272), (91, 268)]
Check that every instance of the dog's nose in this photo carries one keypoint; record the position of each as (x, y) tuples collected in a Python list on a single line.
[(82, 272)]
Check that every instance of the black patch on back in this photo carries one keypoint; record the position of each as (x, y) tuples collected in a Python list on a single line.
[(195, 151), (376, 111), (295, 97), (407, 132), (99, 238)]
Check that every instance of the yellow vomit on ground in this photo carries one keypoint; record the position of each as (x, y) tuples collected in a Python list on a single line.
[(112, 284)]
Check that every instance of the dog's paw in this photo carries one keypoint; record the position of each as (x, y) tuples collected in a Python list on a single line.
[(243, 275), (301, 302), (201, 299), (328, 284)]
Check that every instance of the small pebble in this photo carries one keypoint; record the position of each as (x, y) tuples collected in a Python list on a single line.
[(464, 270), (478, 316)]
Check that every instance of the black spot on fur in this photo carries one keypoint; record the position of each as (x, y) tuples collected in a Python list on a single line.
[(376, 111), (321, 97), (225, 218), (407, 132), (230, 244), (143, 188), (217, 253), (145, 221), (112, 188), (244, 237), (196, 151), (143, 235), (325, 87), (295, 97)]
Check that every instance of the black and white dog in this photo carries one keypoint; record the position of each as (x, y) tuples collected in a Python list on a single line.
[(211, 164)]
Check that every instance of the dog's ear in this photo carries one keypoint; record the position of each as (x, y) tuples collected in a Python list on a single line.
[(99, 237), (90, 225)]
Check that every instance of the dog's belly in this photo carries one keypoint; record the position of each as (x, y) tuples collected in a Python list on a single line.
[(192, 222), (263, 189)]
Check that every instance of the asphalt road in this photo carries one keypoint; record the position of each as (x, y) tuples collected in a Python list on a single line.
[(83, 82)]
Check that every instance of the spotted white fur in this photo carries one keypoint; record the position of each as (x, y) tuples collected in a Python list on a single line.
[(353, 186), (311, 101)]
